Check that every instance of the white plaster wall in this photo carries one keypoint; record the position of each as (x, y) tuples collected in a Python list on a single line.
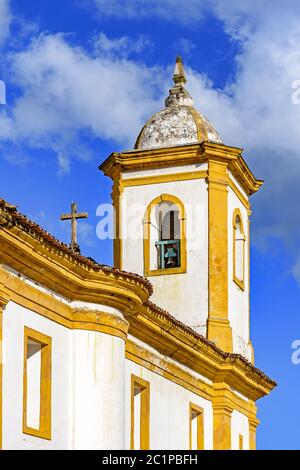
[(15, 318), (169, 411), (87, 385), (237, 184), (238, 300), (99, 391), (239, 425), (164, 171), (184, 295)]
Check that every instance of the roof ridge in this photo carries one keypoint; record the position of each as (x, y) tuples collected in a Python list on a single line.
[(23, 220)]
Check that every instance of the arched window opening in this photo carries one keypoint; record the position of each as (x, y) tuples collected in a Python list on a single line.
[(164, 236), (238, 249), (168, 243)]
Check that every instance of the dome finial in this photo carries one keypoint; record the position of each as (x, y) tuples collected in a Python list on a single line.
[(178, 94), (179, 74)]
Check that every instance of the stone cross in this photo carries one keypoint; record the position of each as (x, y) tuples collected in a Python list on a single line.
[(73, 217)]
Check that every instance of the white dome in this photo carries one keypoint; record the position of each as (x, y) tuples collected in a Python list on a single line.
[(179, 123)]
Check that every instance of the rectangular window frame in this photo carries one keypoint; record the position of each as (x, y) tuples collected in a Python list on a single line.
[(239, 282), (44, 431), (241, 442), (200, 426), (144, 385)]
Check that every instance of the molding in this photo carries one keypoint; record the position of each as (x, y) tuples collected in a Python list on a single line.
[(239, 195), (144, 387), (222, 410), (223, 398), (168, 178), (253, 423), (181, 155), (156, 328), (173, 339), (4, 299), (200, 426), (116, 199), (1, 374), (63, 314), (218, 326), (44, 430), (147, 239), (176, 374), (239, 282), (35, 260), (249, 283), (154, 363)]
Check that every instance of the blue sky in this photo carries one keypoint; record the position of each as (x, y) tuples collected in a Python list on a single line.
[(82, 76)]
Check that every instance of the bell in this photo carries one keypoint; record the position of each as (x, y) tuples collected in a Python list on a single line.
[(171, 256)]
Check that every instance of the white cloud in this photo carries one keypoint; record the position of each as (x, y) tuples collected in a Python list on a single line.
[(121, 46), (5, 19), (184, 46), (171, 10), (86, 234), (66, 91), (255, 111)]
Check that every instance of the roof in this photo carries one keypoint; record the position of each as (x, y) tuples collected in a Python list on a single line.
[(10, 218), (179, 123)]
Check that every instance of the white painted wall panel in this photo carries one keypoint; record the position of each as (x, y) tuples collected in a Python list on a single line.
[(169, 411)]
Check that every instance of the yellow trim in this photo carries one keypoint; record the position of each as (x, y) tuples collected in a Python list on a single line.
[(44, 430), (222, 410), (172, 340), (157, 330), (116, 199), (174, 373), (218, 326), (200, 426), (144, 387), (253, 423), (154, 363), (239, 282), (239, 195), (168, 178), (241, 442), (146, 242), (4, 299), (69, 317), (191, 154), (67, 277), (219, 393), (248, 255), (1, 372)]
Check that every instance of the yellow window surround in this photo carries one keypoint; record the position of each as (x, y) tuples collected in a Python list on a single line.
[(237, 218), (241, 442), (142, 387), (196, 413), (147, 221), (44, 429)]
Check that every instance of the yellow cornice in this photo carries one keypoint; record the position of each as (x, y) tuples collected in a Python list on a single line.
[(72, 280), (154, 327), (70, 317), (168, 178), (175, 340), (182, 155), (39, 261), (173, 372)]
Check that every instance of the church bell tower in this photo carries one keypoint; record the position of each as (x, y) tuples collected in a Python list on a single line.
[(181, 201)]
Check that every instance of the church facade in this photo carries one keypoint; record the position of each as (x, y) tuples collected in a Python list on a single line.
[(155, 352)]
